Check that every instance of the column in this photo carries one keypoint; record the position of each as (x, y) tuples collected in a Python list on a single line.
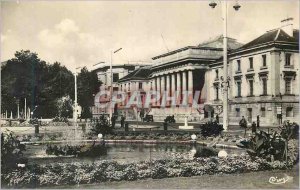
[(162, 84), (190, 80), (184, 87), (137, 86), (173, 84), (168, 86), (178, 79), (153, 85), (191, 87), (158, 89)]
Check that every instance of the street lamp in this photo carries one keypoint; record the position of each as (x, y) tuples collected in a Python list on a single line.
[(32, 112), (75, 114), (225, 98), (111, 80)]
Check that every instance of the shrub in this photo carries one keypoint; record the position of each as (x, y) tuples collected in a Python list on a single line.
[(187, 171), (211, 129), (60, 119), (289, 130), (131, 172), (266, 146), (143, 174), (11, 152), (80, 173), (205, 152), (158, 171), (101, 126)]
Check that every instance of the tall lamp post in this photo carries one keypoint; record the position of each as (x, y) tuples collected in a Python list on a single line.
[(111, 80), (225, 61), (75, 114)]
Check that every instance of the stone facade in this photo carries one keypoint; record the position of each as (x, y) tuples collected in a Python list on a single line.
[(263, 80)]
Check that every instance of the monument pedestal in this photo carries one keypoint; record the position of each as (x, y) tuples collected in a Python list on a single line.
[(186, 126)]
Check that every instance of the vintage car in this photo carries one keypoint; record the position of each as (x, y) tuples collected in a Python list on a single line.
[(148, 118)]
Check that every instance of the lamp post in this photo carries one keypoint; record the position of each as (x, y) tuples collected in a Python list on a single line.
[(225, 61), (31, 113), (25, 111), (75, 114), (18, 104), (111, 80)]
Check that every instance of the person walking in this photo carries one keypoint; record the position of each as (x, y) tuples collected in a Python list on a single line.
[(243, 124), (217, 118), (253, 127), (122, 121)]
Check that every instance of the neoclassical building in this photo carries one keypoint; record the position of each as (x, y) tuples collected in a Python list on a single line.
[(180, 70), (263, 79), (104, 75)]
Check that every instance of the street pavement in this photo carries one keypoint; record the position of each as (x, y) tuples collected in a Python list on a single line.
[(133, 126)]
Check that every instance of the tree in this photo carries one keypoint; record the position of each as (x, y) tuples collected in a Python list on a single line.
[(88, 86), (26, 76), (64, 107)]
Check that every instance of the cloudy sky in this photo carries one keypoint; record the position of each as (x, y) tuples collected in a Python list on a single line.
[(82, 33)]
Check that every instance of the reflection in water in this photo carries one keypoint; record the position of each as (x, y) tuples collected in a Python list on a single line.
[(119, 152)]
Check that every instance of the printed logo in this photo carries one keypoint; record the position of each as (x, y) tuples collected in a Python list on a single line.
[(277, 181)]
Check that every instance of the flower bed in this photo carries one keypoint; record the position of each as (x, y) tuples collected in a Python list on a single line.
[(175, 166)]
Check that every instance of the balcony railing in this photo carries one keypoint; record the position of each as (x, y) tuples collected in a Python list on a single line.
[(238, 72)]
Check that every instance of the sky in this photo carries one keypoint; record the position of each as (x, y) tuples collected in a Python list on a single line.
[(83, 33)]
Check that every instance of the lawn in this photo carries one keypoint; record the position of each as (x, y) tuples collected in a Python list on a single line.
[(253, 180)]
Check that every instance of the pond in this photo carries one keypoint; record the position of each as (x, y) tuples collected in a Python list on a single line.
[(117, 152)]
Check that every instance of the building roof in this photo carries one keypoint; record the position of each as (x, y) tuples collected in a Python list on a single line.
[(276, 35), (105, 67), (217, 42), (214, 44), (141, 73)]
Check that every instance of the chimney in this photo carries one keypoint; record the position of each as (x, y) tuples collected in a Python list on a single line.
[(287, 26)]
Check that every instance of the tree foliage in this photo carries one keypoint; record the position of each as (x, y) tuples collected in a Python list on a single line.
[(42, 84), (88, 86)]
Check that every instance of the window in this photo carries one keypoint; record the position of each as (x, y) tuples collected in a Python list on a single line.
[(115, 77), (217, 93), (140, 86), (249, 114), (263, 112), (287, 59), (250, 62), (264, 85), (288, 86), (238, 85), (289, 112), (238, 112), (251, 87), (264, 60), (217, 74), (239, 65)]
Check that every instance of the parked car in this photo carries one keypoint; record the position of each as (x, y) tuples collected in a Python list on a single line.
[(148, 118), (170, 119)]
